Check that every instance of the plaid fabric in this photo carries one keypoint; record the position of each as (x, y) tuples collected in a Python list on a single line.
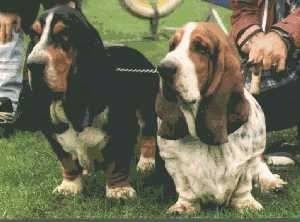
[(271, 79)]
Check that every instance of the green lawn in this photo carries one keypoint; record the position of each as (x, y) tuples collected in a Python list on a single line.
[(29, 170)]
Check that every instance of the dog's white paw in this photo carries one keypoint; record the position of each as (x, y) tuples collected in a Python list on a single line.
[(183, 207), (145, 166), (247, 204), (273, 183), (69, 186), (124, 192), (251, 205)]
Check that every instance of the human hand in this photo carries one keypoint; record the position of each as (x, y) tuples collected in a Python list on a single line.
[(268, 51), (249, 44), (9, 22)]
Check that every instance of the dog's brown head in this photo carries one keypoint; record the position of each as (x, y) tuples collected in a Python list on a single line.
[(67, 59), (201, 76)]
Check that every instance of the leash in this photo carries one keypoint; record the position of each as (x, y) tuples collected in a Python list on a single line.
[(148, 71)]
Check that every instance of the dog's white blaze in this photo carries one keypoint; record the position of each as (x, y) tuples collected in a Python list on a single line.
[(186, 79), (38, 52)]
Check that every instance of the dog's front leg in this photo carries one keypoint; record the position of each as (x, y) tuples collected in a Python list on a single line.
[(72, 178), (117, 184), (147, 144), (186, 203), (72, 171), (146, 163), (242, 198), (119, 152), (117, 172)]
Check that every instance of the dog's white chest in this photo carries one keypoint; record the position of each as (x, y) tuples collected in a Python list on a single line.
[(211, 172), (85, 146)]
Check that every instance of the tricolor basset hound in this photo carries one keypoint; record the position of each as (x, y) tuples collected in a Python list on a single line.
[(87, 109), (211, 131)]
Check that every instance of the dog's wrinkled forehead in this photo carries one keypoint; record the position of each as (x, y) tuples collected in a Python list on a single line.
[(64, 13), (56, 20), (182, 38), (51, 28)]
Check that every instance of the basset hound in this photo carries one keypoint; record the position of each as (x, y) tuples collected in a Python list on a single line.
[(211, 131), (87, 109)]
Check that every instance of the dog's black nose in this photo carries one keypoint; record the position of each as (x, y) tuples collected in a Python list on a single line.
[(167, 69)]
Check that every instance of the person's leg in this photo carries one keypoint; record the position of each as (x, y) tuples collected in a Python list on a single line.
[(11, 62), (281, 106), (281, 109)]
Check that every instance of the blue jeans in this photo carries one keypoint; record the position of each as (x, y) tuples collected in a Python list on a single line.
[(11, 63)]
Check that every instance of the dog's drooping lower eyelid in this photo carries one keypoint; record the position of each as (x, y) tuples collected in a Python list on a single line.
[(200, 47), (172, 45), (61, 36), (35, 37)]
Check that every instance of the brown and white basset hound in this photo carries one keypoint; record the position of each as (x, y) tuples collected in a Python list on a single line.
[(88, 110), (211, 131)]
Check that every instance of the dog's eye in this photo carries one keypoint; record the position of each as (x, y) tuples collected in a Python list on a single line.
[(172, 46), (35, 37), (64, 37), (200, 48)]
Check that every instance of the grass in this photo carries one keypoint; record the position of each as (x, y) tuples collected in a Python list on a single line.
[(29, 170)]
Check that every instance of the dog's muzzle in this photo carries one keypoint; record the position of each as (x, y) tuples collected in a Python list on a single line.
[(167, 70)]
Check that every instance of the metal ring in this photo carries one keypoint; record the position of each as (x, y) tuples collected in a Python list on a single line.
[(145, 9)]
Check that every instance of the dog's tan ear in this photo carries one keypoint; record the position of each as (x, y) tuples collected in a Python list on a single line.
[(224, 107), (173, 125)]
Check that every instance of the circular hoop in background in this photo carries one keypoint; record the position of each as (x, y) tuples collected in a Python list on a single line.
[(146, 8)]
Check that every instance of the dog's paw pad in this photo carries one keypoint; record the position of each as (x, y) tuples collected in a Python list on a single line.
[(125, 192), (145, 166), (68, 187)]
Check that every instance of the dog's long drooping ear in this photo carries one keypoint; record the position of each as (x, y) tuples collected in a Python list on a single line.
[(173, 125), (224, 107), (87, 80)]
